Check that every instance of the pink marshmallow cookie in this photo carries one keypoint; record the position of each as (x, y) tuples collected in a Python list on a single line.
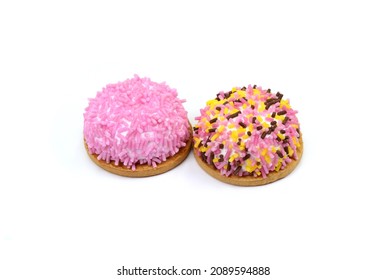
[(136, 121)]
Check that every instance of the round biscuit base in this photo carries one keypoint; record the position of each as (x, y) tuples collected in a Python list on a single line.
[(144, 170), (251, 181)]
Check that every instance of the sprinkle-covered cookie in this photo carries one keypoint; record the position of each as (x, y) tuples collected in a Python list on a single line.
[(248, 136), (137, 128)]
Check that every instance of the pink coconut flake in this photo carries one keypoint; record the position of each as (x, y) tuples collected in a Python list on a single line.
[(136, 121)]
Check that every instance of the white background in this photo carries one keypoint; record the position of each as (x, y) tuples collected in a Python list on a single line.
[(62, 217)]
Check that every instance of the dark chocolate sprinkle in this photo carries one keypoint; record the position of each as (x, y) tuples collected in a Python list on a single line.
[(195, 128), (285, 120), (228, 166), (269, 90), (249, 133), (203, 156), (225, 103), (218, 108), (279, 95), (213, 120), (254, 119), (242, 124), (254, 86), (259, 127), (273, 123), (221, 146), (264, 135), (237, 170), (282, 131), (246, 156), (233, 115), (286, 148), (244, 88), (273, 115), (270, 100), (239, 141), (279, 154), (212, 130), (283, 112), (212, 156), (200, 144), (278, 139), (252, 107)]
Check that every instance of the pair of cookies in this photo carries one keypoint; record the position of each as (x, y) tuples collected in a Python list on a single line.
[(246, 136)]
